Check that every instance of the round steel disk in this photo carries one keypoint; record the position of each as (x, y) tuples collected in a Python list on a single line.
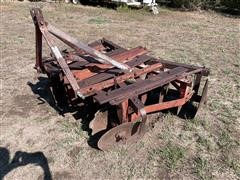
[(125, 133)]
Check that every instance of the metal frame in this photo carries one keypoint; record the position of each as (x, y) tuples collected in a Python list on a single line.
[(112, 75)]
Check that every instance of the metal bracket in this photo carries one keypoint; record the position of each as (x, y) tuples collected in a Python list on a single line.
[(137, 106)]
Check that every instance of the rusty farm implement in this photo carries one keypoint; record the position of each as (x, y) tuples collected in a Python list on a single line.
[(128, 84)]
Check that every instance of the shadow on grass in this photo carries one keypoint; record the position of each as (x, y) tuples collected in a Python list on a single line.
[(22, 159), (84, 110), (42, 89)]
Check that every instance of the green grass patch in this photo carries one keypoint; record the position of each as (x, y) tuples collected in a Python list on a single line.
[(170, 154), (229, 147), (73, 129), (205, 142), (233, 164), (123, 8), (202, 168), (165, 134), (191, 124), (98, 20), (226, 142)]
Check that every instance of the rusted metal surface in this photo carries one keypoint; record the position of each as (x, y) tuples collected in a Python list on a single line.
[(111, 73), (99, 123), (119, 79), (126, 133), (203, 96), (128, 83), (141, 86), (78, 45)]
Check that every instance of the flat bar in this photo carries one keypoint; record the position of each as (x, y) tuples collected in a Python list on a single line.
[(191, 68), (89, 90), (115, 52), (164, 105), (78, 45), (130, 54), (122, 56), (140, 87), (89, 70), (38, 34), (170, 64), (111, 72)]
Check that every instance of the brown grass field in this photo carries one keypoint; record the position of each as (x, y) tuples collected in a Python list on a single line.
[(206, 147)]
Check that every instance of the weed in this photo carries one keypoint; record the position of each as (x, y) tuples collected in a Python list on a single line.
[(204, 142), (98, 20), (73, 129), (228, 146), (227, 71), (195, 26), (232, 162), (191, 124), (65, 143), (51, 160), (165, 134), (226, 114), (201, 168), (199, 122), (67, 126), (188, 126), (225, 141), (171, 155), (122, 152), (123, 8)]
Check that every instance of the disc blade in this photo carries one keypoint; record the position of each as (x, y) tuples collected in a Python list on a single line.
[(125, 133), (99, 123)]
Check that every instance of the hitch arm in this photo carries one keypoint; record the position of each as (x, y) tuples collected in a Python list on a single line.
[(39, 20)]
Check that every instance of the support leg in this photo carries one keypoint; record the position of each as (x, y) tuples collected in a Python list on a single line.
[(122, 112), (38, 64)]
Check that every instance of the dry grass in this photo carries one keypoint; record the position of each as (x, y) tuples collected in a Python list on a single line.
[(204, 148)]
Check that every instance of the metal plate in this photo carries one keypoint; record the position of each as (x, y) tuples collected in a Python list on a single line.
[(192, 107), (125, 133), (204, 95), (99, 123)]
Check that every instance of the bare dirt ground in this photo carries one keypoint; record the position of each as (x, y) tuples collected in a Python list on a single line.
[(204, 148)]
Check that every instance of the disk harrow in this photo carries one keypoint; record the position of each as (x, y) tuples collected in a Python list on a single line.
[(126, 85)]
